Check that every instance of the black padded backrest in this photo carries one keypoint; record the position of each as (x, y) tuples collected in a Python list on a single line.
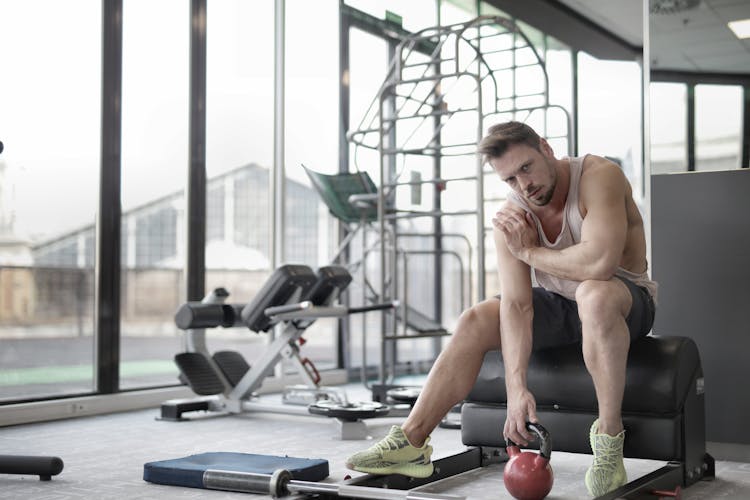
[(330, 282), (287, 283), (660, 372)]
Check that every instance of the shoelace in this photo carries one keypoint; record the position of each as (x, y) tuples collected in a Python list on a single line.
[(607, 458), (388, 443)]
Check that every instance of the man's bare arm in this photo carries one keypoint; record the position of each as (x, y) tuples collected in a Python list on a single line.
[(603, 193), (516, 312), (516, 316)]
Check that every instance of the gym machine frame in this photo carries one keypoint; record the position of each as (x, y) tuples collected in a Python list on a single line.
[(293, 296)]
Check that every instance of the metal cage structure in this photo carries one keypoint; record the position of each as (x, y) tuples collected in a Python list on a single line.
[(444, 86)]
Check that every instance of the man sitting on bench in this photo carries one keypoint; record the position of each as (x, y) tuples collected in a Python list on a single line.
[(574, 222)]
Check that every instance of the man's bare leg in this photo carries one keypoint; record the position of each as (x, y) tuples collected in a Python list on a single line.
[(603, 307), (455, 370)]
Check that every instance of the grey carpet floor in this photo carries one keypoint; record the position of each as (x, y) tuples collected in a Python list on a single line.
[(104, 456)]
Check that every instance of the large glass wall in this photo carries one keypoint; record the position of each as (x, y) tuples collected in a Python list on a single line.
[(48, 256), (49, 173), (239, 157), (713, 141), (668, 123), (311, 125), (718, 127), (155, 58), (414, 15), (609, 118)]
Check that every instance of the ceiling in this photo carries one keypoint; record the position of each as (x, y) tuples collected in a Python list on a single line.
[(695, 40)]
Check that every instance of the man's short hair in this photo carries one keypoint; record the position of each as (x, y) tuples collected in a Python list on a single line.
[(503, 135)]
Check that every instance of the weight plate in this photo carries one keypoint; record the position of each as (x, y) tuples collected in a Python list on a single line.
[(404, 394), (349, 411)]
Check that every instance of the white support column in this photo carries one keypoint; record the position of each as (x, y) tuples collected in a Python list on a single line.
[(277, 176)]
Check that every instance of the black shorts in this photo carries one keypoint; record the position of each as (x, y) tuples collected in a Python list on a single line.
[(556, 320)]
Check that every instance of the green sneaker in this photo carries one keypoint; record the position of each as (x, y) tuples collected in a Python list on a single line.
[(607, 472), (394, 454)]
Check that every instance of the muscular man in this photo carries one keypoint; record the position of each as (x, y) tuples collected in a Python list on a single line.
[(573, 222)]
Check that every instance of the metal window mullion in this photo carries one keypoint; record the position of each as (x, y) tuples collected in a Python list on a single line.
[(690, 138), (745, 157), (107, 268), (574, 105), (437, 227), (343, 359), (195, 266)]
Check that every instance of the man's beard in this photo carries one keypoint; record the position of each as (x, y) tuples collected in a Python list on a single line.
[(544, 199)]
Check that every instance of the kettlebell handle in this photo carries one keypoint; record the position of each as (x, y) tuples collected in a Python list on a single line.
[(545, 443)]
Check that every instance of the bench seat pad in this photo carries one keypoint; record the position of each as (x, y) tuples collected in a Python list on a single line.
[(660, 372)]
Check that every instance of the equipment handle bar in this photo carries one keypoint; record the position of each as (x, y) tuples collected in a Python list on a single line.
[(304, 310), (281, 484), (375, 307)]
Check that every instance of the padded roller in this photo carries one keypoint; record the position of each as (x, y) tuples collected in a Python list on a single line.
[(44, 467), (200, 315)]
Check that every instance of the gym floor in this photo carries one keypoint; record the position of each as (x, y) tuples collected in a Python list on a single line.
[(104, 456)]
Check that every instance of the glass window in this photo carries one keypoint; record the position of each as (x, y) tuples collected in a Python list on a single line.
[(415, 14), (239, 156), (311, 139), (668, 103), (609, 117), (457, 11), (718, 127), (155, 80), (49, 174), (311, 133)]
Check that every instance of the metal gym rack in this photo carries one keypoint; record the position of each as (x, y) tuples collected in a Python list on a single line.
[(444, 86)]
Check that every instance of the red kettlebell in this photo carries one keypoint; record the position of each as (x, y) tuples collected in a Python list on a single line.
[(528, 475)]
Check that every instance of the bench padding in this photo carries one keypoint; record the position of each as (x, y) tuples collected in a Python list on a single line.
[(188, 471), (662, 405), (660, 372)]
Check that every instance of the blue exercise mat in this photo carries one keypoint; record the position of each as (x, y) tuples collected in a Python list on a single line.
[(188, 471)]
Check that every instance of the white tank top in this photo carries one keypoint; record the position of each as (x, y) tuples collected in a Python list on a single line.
[(570, 234)]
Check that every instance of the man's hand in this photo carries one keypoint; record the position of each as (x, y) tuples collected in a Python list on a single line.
[(518, 228), (521, 409)]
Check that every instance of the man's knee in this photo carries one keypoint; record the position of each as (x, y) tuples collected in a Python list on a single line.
[(470, 319), (601, 301), (480, 323)]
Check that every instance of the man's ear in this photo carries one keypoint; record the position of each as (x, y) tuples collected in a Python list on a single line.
[(545, 148)]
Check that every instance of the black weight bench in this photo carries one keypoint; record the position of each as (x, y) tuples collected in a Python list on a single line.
[(663, 414), (663, 407)]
